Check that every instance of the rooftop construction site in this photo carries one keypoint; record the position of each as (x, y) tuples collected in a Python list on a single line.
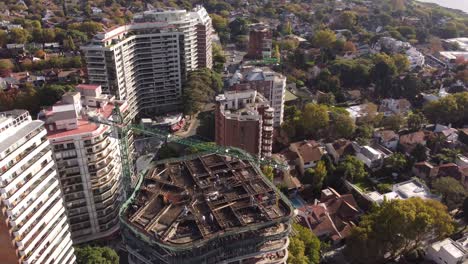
[(195, 199)]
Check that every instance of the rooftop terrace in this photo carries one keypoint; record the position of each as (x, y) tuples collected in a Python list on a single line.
[(181, 202)]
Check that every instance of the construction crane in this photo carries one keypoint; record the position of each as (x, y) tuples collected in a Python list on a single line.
[(123, 128)]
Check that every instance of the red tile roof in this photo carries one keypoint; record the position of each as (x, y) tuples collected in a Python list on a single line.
[(333, 218), (87, 86)]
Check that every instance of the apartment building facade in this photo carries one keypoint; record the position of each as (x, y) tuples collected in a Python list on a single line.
[(88, 159), (244, 119), (145, 62), (260, 42), (33, 222), (270, 84)]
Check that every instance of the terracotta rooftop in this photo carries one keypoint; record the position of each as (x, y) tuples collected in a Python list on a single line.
[(87, 86), (413, 138), (333, 216), (387, 135), (308, 150), (84, 125)]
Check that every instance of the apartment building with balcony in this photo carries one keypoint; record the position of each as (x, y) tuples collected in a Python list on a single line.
[(33, 222), (88, 160), (146, 61), (244, 119)]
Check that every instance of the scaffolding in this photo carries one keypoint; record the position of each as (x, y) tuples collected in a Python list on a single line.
[(123, 128), (202, 202)]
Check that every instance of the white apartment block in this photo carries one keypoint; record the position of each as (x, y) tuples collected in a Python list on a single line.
[(33, 221), (448, 251), (145, 62), (88, 161), (270, 84)]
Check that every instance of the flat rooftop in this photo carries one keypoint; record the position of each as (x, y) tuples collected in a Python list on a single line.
[(184, 201)]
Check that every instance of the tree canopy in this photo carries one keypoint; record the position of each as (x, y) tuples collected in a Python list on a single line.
[(96, 255), (200, 88), (396, 228), (352, 169), (324, 38), (453, 193), (304, 246), (452, 108)]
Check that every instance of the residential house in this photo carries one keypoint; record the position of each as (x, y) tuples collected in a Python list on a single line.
[(332, 217), (372, 157), (403, 190), (339, 149), (360, 112), (424, 170), (391, 107), (409, 141), (70, 75), (453, 170), (387, 138), (288, 157), (430, 172), (448, 251), (309, 152)]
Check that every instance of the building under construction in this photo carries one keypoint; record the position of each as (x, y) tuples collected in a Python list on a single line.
[(206, 209)]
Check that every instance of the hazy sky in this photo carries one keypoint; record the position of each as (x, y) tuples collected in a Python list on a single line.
[(456, 4)]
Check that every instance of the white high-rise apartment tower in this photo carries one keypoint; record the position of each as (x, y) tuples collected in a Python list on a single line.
[(33, 222), (88, 161), (146, 62)]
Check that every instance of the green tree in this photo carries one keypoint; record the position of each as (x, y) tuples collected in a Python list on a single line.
[(48, 35), (304, 247), (18, 35), (37, 35), (342, 125), (324, 38), (415, 121), (448, 155), (419, 153), (382, 73), (268, 172), (449, 109), (393, 122), (347, 19), (326, 99), (315, 118), (200, 147), (396, 228), (94, 255), (296, 252), (6, 67), (453, 193), (316, 176), (69, 44), (401, 62), (218, 57), (3, 38), (352, 169), (200, 89), (219, 23), (396, 162)]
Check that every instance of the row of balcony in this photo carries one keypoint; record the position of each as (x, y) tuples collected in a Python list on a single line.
[(35, 147), (21, 142)]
